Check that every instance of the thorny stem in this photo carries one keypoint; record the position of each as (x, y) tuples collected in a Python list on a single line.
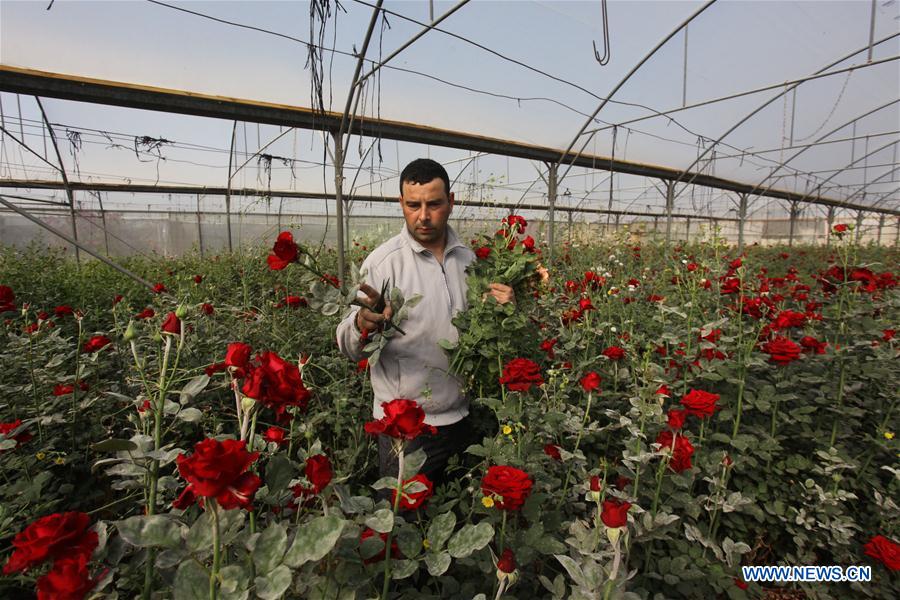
[(385, 587), (217, 558), (584, 420)]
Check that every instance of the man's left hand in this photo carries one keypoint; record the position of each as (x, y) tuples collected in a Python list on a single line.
[(502, 293)]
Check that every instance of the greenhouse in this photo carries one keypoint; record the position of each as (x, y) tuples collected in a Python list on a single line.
[(527, 299)]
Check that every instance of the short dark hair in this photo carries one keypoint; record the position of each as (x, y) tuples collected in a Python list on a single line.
[(424, 170)]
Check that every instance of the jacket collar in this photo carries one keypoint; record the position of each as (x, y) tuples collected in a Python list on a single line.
[(451, 242)]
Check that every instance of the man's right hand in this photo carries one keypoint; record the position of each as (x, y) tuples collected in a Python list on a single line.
[(366, 319)]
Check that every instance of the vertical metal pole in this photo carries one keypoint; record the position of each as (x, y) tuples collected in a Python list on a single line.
[(793, 224), (793, 112), (880, 226), (339, 200), (897, 233), (670, 202), (103, 220), (618, 216), (871, 32), (199, 227), (570, 227), (228, 189), (829, 225), (655, 224), (684, 79), (859, 221), (742, 220), (551, 199), (687, 229)]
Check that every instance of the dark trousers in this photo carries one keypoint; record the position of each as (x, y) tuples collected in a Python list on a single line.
[(449, 440)]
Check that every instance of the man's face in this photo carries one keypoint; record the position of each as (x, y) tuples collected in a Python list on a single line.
[(426, 208)]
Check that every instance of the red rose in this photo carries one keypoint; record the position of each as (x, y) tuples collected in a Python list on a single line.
[(6, 430), (515, 221), (885, 551), (622, 482), (7, 299), (219, 470), (69, 579), (552, 450), (159, 288), (740, 583), (528, 244), (676, 418), (887, 334), (691, 267), (147, 313), (207, 309), (275, 435), (585, 304), (362, 365), (116, 299), (60, 535), (811, 344), (198, 279), (614, 513), (414, 500), (614, 353), (63, 310), (596, 483), (508, 486), (590, 381), (732, 285), (663, 390), (736, 263), (713, 336), (520, 374), (284, 252), (699, 403), (682, 452), (403, 419), (318, 472), (547, 346), (276, 383), (215, 368), (171, 325), (296, 301), (483, 252), (61, 389), (507, 561), (237, 356), (840, 228), (370, 533), (98, 342), (781, 351), (787, 319)]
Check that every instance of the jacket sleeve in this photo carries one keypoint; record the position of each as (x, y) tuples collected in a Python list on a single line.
[(348, 334)]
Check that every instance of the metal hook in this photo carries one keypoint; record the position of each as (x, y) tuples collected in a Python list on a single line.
[(603, 60)]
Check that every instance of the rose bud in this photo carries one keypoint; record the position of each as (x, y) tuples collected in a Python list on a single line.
[(182, 311), (129, 332)]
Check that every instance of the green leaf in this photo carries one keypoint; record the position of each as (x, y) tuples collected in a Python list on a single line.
[(279, 473), (199, 538), (191, 582), (409, 540), (193, 387), (469, 539), (440, 529), (437, 563), (572, 569), (273, 585), (412, 463), (382, 521), (152, 530), (401, 569), (190, 415), (269, 549), (447, 344), (234, 581), (314, 540), (114, 445)]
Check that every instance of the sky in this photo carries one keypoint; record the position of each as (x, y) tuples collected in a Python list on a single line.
[(732, 47)]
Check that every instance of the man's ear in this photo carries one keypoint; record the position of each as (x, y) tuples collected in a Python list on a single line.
[(450, 198)]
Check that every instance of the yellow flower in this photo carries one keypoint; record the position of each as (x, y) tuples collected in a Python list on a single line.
[(426, 544), (487, 501), (40, 456), (60, 460), (507, 430), (888, 435)]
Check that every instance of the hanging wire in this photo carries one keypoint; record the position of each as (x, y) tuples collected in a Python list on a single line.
[(603, 60)]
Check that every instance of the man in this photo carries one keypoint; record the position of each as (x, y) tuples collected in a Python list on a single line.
[(425, 258)]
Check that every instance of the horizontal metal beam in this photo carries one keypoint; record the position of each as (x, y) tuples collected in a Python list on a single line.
[(257, 193), (114, 93)]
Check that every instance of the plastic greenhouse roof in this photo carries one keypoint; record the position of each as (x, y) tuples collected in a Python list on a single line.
[(522, 71)]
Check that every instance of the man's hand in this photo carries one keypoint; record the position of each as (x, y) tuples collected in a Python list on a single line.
[(502, 293), (366, 319)]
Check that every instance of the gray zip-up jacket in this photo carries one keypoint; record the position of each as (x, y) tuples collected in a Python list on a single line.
[(413, 363)]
